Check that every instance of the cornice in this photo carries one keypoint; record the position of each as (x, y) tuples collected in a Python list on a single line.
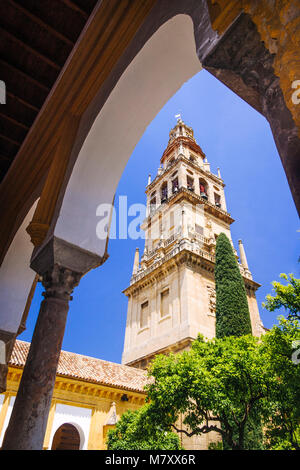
[(166, 265), (184, 193), (78, 390), (183, 256), (172, 348)]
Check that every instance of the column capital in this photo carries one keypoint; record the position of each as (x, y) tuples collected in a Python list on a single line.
[(66, 257), (59, 282)]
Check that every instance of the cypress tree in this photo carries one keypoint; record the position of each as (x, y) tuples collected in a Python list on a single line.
[(233, 317), (232, 311)]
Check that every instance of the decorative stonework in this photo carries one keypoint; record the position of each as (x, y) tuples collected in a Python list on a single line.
[(59, 282), (279, 26), (212, 300)]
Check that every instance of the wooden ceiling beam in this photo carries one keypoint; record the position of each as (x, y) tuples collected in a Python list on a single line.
[(14, 121), (75, 7), (24, 75), (12, 141), (30, 49), (24, 102), (2, 157), (41, 23)]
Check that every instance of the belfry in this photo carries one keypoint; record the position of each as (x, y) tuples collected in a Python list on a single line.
[(171, 297)]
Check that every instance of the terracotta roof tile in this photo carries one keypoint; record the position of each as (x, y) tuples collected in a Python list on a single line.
[(89, 369)]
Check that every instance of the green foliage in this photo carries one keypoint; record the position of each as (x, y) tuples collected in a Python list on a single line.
[(287, 296), (279, 347), (232, 311), (215, 386), (215, 445), (253, 436), (233, 386), (136, 430)]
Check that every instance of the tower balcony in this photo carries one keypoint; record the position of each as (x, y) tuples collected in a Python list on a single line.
[(165, 250)]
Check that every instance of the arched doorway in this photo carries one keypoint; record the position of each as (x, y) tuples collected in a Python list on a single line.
[(66, 437)]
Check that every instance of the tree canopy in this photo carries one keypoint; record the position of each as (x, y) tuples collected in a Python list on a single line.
[(281, 349), (136, 431), (219, 384), (286, 296)]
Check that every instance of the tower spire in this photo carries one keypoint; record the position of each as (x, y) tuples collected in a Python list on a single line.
[(243, 258), (136, 262)]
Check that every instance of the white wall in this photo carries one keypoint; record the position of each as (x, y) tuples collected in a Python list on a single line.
[(16, 278)]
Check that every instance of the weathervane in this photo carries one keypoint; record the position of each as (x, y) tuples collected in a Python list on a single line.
[(178, 117)]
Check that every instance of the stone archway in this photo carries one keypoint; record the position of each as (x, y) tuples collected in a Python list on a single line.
[(66, 437)]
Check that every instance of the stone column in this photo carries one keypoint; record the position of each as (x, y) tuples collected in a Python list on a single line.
[(61, 266), (28, 421)]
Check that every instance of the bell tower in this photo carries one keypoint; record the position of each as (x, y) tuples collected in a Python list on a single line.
[(171, 297)]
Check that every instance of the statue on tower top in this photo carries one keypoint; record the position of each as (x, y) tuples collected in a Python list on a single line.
[(178, 116)]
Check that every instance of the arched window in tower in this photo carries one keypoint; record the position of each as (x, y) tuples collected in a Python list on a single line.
[(171, 161), (190, 183), (175, 185), (203, 189), (152, 203), (66, 437), (164, 192), (217, 199)]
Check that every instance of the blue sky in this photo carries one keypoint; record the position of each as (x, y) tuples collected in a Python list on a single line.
[(235, 138)]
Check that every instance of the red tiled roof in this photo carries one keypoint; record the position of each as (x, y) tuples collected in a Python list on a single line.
[(89, 369)]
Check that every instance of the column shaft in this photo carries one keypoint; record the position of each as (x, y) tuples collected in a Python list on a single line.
[(27, 425)]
